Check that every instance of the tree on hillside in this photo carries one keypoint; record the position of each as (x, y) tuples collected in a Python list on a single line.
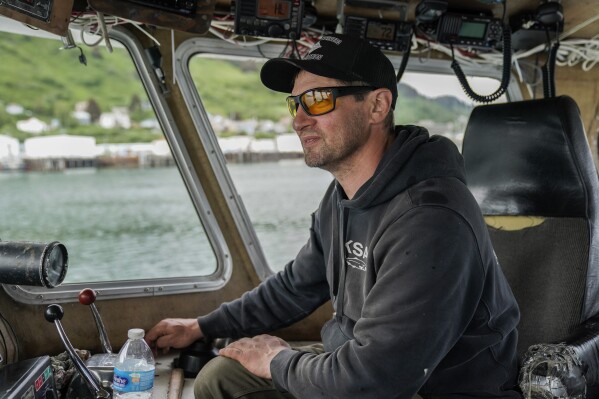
[(94, 110)]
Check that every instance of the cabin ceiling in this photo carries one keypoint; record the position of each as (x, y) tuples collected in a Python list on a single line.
[(576, 11), (326, 12)]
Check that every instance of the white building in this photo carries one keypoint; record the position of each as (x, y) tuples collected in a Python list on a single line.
[(60, 152), (234, 144), (118, 118), (250, 149), (14, 109), (82, 117), (60, 146), (289, 143), (156, 153), (32, 125), (157, 147)]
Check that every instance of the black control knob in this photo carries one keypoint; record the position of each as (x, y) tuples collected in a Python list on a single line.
[(275, 30), (53, 312)]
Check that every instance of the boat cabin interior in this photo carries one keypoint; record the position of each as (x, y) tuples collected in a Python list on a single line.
[(117, 234)]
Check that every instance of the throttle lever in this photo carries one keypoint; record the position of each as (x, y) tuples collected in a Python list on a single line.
[(54, 314), (87, 296)]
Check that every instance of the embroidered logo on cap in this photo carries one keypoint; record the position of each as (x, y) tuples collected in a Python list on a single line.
[(335, 40), (318, 57), (313, 57)]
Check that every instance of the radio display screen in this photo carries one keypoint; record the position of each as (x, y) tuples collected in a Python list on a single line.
[(380, 30), (274, 9), (475, 30)]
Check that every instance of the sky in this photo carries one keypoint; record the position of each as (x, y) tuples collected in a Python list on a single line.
[(439, 85)]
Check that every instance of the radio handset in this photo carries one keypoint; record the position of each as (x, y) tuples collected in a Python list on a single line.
[(505, 76), (476, 31)]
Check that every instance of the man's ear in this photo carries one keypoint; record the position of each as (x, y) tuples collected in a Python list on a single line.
[(381, 104)]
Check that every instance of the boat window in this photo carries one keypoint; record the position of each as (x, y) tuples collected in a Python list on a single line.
[(264, 156), (438, 102), (85, 162)]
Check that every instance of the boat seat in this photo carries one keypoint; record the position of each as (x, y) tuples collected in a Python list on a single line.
[(530, 168)]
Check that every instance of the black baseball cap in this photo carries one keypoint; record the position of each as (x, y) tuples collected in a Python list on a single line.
[(334, 56)]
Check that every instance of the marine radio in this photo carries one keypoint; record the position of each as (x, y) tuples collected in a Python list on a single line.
[(185, 7), (468, 30), (269, 18), (384, 34), (182, 15)]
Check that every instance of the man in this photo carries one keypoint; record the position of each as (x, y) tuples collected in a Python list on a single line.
[(398, 244)]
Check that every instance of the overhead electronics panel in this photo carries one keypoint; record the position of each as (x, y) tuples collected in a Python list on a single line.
[(269, 18), (384, 34), (185, 15), (49, 15)]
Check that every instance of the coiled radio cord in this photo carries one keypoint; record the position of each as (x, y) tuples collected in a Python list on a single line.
[(505, 78)]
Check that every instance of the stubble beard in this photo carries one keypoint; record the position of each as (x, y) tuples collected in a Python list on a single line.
[(331, 154)]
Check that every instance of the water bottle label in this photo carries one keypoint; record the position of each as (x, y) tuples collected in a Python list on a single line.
[(132, 381)]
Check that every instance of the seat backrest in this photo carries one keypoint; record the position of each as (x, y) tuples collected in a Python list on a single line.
[(530, 168)]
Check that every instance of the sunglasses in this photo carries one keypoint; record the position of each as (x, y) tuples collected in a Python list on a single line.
[(321, 100)]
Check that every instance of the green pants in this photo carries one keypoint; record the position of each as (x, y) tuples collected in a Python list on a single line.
[(224, 378)]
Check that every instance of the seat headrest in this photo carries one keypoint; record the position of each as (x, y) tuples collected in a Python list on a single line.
[(530, 158)]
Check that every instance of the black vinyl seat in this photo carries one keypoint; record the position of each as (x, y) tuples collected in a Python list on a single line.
[(530, 168)]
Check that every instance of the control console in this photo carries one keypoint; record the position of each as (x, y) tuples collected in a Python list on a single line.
[(31, 379), (384, 34), (269, 18), (469, 31)]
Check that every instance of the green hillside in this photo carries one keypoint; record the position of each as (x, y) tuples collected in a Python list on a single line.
[(48, 82), (38, 75), (225, 85), (234, 89)]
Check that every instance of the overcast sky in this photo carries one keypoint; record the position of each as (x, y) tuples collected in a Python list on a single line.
[(439, 85)]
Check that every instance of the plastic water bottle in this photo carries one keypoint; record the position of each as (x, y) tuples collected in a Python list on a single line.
[(134, 368)]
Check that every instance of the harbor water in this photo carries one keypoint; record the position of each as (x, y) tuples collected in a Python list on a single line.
[(120, 224)]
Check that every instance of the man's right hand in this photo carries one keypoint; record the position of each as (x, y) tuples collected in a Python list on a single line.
[(173, 333)]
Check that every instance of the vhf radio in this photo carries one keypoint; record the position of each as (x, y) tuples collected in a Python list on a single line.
[(269, 18), (184, 7), (384, 34), (469, 31)]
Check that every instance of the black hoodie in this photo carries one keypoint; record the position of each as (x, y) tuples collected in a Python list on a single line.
[(421, 304)]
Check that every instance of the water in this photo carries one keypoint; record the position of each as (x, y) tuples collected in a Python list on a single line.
[(139, 223), (280, 197)]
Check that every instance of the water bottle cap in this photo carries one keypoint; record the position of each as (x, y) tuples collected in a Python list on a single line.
[(136, 333)]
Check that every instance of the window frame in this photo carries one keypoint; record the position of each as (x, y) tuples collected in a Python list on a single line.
[(152, 286), (219, 48)]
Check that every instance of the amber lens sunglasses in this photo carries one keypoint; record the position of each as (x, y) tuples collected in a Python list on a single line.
[(321, 100)]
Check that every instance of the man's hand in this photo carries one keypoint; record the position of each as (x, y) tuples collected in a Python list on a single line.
[(255, 354), (176, 333)]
